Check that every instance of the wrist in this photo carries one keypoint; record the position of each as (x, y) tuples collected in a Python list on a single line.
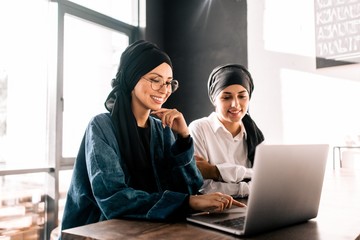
[(217, 175), (184, 135)]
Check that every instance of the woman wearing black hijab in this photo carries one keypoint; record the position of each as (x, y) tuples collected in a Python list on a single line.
[(225, 141), (130, 164)]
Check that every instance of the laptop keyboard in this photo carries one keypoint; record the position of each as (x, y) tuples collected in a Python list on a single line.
[(237, 223)]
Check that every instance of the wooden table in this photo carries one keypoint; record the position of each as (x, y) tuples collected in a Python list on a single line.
[(338, 218)]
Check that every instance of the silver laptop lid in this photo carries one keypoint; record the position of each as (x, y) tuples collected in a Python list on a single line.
[(286, 187)]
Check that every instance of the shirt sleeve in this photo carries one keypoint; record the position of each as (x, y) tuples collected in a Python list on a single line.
[(183, 144), (233, 173), (199, 144), (240, 189)]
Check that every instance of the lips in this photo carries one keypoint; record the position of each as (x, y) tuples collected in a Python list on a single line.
[(235, 113), (158, 100)]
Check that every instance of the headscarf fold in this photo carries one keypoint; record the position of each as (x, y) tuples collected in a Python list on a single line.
[(228, 74), (137, 60), (254, 136)]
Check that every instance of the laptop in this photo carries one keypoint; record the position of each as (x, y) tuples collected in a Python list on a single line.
[(285, 190)]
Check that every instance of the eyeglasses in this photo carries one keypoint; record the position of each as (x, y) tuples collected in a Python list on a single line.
[(157, 84)]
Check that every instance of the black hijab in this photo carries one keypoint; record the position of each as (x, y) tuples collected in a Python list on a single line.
[(137, 60), (229, 74), (226, 75)]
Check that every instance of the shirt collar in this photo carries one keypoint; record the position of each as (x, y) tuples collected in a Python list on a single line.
[(216, 125)]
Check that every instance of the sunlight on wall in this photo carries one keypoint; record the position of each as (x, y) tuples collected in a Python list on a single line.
[(291, 25), (319, 109)]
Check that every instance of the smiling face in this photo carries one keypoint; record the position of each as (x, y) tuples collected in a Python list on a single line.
[(144, 97), (231, 105)]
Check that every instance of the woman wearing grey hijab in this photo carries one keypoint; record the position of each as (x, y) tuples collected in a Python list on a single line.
[(225, 141), (130, 164)]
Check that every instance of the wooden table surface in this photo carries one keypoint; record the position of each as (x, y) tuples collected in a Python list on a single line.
[(338, 218)]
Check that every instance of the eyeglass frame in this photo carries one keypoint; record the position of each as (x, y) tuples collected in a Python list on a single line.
[(167, 84)]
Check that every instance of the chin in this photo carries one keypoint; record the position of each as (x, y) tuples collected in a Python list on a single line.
[(154, 108), (235, 119)]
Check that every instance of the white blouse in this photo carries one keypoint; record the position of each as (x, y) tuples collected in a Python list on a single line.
[(216, 144)]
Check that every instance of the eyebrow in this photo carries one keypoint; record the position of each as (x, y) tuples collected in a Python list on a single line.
[(160, 75)]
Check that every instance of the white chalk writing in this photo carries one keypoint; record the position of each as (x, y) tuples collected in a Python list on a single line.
[(337, 28)]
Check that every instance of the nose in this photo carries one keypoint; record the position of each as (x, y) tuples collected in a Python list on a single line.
[(235, 103)]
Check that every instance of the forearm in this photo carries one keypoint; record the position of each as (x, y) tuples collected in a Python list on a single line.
[(209, 171)]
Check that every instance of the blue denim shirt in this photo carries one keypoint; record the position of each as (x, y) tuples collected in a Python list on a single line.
[(99, 191)]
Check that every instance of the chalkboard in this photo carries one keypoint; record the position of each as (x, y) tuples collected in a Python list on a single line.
[(337, 32)]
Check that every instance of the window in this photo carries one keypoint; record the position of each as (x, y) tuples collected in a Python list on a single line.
[(23, 82), (91, 58), (57, 59), (124, 10)]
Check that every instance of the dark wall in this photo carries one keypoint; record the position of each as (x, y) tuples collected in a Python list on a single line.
[(154, 23), (198, 35)]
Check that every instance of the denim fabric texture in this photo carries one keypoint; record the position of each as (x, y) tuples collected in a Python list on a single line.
[(99, 189)]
